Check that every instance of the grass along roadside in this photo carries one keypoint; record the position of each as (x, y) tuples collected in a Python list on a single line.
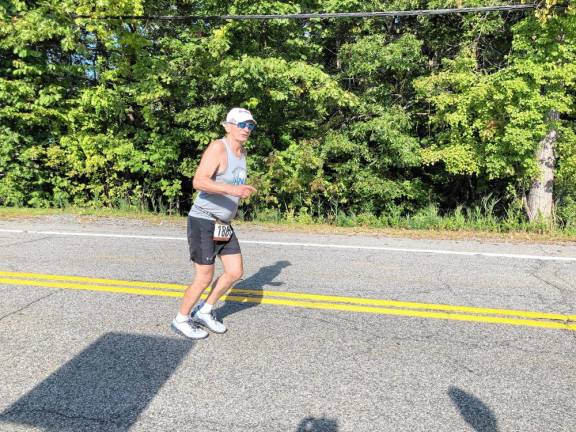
[(435, 227)]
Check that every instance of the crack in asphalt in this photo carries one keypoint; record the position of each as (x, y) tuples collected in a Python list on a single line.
[(539, 267), (100, 421), (433, 337), (340, 323), (18, 243), (457, 364), (228, 426), (28, 305)]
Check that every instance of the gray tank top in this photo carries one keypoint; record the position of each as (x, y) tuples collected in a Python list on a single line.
[(224, 207)]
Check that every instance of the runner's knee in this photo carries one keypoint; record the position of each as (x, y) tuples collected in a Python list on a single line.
[(235, 274), (204, 279)]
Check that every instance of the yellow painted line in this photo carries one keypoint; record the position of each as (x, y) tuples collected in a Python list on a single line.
[(86, 287), (44, 276), (304, 304), (408, 313), (410, 305), (304, 296)]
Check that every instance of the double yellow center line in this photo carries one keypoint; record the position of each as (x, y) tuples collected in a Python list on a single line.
[(303, 300)]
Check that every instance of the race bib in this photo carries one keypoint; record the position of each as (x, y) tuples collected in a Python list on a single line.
[(222, 231)]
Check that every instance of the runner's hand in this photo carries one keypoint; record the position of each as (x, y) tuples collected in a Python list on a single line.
[(243, 191)]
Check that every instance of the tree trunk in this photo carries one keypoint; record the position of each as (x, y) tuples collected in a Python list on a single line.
[(540, 201)]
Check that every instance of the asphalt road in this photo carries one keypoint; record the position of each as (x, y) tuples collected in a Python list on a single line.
[(330, 333)]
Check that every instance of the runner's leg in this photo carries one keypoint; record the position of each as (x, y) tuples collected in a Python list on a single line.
[(201, 281), (233, 270), (204, 315)]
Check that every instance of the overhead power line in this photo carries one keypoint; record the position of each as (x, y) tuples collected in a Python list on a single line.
[(484, 9)]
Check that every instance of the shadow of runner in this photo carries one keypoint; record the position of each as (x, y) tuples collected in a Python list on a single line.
[(255, 284), (312, 424), (104, 388), (473, 410)]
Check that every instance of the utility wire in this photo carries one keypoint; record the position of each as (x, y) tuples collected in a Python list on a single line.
[(314, 15)]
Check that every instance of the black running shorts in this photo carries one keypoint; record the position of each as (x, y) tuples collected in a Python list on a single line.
[(203, 248)]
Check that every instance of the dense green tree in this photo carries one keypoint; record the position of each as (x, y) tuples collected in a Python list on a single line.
[(354, 115), (492, 124)]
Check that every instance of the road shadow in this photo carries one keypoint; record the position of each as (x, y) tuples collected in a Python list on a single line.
[(322, 424), (475, 412), (255, 283), (104, 388)]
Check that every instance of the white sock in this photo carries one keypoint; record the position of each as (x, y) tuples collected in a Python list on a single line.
[(182, 318), (206, 308)]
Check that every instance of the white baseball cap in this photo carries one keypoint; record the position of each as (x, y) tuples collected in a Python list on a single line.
[(237, 115)]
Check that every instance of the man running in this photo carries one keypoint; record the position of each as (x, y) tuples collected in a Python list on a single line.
[(220, 178)]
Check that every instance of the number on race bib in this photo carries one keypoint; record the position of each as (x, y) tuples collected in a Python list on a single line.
[(222, 231)]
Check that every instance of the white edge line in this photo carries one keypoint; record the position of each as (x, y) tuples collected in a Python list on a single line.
[(316, 245), (431, 251)]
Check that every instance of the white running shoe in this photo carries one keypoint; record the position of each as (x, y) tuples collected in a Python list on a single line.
[(209, 321), (189, 329)]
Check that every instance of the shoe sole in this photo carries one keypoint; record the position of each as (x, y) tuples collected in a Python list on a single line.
[(187, 337), (199, 322)]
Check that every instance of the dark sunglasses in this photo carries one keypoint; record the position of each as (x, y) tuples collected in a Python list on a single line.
[(242, 125)]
